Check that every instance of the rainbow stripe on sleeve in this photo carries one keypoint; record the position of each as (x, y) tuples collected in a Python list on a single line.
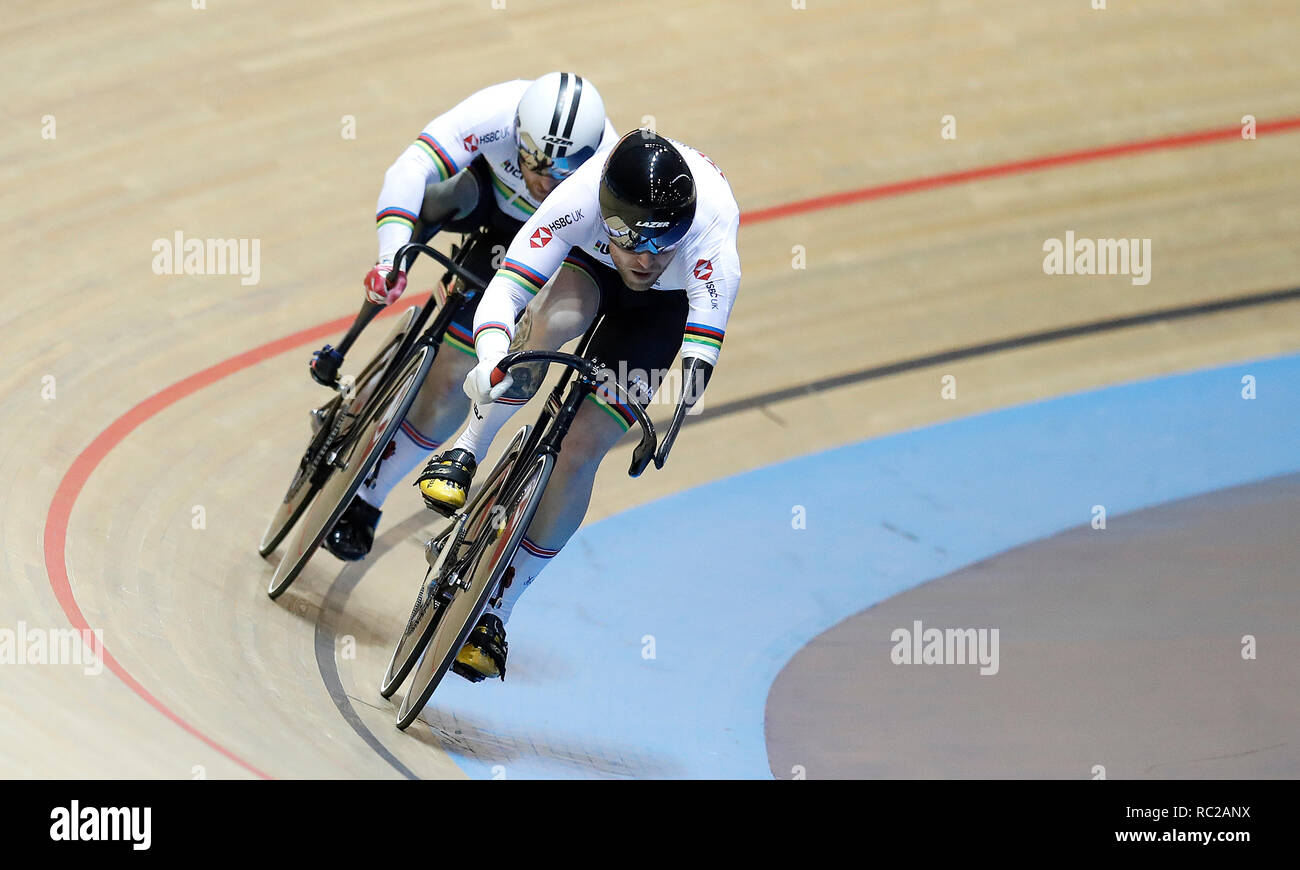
[(490, 326), (698, 333), (395, 215), (441, 159), (529, 279)]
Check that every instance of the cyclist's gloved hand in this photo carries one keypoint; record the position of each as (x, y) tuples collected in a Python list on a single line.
[(478, 383), (324, 366), (376, 284)]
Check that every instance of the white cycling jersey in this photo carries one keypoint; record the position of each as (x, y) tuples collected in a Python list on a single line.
[(483, 123), (706, 264)]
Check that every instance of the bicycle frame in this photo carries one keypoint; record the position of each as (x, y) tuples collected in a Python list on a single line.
[(558, 414), (530, 466), (335, 429)]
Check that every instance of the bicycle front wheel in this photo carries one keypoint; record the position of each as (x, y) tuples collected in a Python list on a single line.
[(312, 472), (492, 555), (376, 427), (452, 547)]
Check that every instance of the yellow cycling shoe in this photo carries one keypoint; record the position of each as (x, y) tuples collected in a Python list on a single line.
[(484, 654), (446, 479)]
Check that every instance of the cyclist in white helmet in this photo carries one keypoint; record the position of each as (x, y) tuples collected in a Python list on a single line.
[(482, 169)]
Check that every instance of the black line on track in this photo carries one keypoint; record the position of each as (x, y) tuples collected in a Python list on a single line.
[(992, 347), (326, 641), (326, 636)]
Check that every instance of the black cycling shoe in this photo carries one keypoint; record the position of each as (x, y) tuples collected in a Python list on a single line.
[(354, 534), (484, 654), (446, 479)]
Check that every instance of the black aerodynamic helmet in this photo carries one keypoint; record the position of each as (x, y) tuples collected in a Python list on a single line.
[(647, 194)]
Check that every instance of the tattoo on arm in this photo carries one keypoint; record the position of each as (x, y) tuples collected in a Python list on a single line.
[(527, 380)]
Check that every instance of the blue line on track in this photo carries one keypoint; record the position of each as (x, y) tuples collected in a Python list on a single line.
[(728, 591)]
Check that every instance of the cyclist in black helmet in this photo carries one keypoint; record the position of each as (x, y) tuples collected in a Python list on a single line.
[(647, 238)]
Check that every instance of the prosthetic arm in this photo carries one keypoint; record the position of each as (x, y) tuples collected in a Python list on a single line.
[(695, 377)]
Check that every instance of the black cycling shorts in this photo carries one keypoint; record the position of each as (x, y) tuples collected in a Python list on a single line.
[(638, 336)]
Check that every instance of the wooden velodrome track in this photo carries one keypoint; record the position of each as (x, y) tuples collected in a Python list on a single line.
[(226, 122)]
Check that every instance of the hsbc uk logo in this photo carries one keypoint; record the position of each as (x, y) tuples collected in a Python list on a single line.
[(471, 143), (704, 272), (542, 235), (571, 218)]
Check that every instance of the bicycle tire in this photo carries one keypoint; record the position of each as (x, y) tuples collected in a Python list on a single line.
[(426, 610), (375, 427), (492, 555), (308, 478)]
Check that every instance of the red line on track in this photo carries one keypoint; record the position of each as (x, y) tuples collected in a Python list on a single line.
[(1016, 167), (74, 480)]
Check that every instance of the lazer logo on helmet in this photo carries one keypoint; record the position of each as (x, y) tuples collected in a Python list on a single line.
[(652, 224), (558, 140)]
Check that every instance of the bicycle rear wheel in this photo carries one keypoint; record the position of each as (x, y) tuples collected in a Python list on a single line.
[(492, 554), (312, 472), (374, 428)]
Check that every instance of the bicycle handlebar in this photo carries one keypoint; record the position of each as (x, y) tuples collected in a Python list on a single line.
[(645, 451), (402, 261), (408, 253)]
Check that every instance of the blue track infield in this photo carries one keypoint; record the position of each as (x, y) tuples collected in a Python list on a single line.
[(648, 647)]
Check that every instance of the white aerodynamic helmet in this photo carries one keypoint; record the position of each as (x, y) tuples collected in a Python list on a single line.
[(559, 123)]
